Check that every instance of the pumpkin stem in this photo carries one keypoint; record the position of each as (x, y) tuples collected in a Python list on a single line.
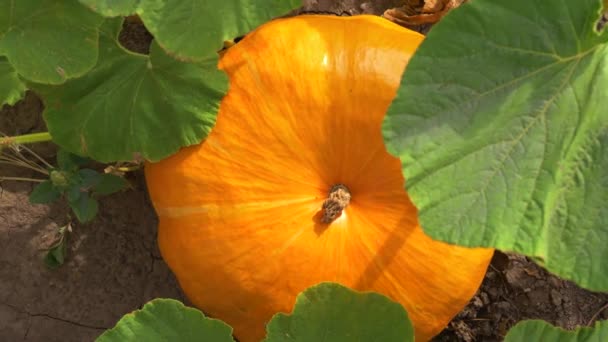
[(338, 199)]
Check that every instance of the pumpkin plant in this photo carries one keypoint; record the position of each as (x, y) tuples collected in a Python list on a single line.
[(70, 179), (101, 100), (294, 186), (111, 104)]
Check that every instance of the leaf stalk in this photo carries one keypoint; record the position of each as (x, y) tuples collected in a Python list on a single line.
[(26, 139)]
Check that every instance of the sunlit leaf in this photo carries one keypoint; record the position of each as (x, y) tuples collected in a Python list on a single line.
[(112, 8), (332, 312), (48, 41), (501, 124), (163, 320), (196, 30), (133, 105)]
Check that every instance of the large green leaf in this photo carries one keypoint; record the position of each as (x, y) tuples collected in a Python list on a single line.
[(332, 312), (11, 87), (501, 124), (537, 330), (48, 41), (195, 30), (133, 105), (112, 8), (164, 320)]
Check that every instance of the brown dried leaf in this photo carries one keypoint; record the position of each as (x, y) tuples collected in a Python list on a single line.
[(421, 12)]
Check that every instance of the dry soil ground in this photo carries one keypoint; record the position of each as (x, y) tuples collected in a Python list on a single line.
[(114, 265)]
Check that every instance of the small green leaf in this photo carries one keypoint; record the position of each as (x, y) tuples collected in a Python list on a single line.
[(110, 184), (11, 87), (68, 161), (501, 125), (332, 312), (163, 320), (44, 193), (84, 207), (56, 255), (89, 178), (537, 330), (73, 193), (152, 105), (112, 8), (49, 41), (177, 24)]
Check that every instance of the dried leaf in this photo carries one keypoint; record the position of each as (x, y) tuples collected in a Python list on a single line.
[(420, 12)]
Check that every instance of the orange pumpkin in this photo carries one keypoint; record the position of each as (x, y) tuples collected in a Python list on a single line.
[(294, 185)]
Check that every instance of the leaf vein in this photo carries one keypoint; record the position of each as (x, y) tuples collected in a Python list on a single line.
[(532, 52), (481, 95), (511, 147)]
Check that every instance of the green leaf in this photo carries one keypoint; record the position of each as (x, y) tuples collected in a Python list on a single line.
[(163, 320), (537, 330), (44, 193), (502, 130), (89, 178), (112, 8), (73, 193), (56, 255), (196, 30), (68, 161), (131, 105), (11, 87), (110, 184), (84, 207), (48, 41), (332, 312)]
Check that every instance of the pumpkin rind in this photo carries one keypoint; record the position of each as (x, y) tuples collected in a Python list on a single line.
[(240, 214)]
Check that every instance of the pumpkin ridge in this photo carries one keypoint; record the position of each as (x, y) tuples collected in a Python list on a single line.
[(242, 206)]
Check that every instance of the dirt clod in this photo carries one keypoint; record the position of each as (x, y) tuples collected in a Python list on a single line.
[(516, 289)]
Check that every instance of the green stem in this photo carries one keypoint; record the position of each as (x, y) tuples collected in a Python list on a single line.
[(26, 138)]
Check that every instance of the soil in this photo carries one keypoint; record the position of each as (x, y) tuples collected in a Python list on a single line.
[(114, 265)]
